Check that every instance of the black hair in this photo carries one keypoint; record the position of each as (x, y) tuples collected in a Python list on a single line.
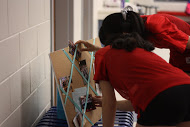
[(124, 34), (129, 42)]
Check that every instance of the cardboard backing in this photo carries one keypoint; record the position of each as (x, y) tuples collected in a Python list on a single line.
[(62, 67)]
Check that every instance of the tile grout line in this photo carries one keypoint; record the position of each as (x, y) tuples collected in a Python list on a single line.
[(10, 36), (22, 67)]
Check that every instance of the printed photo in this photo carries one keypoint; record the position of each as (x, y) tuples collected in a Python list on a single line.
[(72, 49), (83, 69), (64, 81), (78, 120), (90, 103)]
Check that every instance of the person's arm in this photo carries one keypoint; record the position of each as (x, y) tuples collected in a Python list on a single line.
[(108, 104), (124, 105), (166, 34), (89, 46)]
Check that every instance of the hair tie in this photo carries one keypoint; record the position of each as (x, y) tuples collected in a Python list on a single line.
[(125, 11)]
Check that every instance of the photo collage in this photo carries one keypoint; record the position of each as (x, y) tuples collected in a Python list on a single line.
[(79, 94)]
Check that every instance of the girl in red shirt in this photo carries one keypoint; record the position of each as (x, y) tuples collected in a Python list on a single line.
[(164, 31), (158, 91)]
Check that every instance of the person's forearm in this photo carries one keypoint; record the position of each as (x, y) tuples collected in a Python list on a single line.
[(124, 105), (108, 113), (97, 48), (108, 104)]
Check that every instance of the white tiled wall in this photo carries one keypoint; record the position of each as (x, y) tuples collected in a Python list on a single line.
[(20, 86), (37, 70), (28, 45), (44, 88), (14, 120), (36, 12), (43, 38), (24, 61), (9, 55), (17, 15), (4, 19), (5, 99)]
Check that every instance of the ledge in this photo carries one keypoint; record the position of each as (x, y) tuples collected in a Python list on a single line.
[(173, 13)]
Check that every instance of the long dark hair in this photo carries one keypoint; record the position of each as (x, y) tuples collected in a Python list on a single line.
[(129, 42), (124, 34)]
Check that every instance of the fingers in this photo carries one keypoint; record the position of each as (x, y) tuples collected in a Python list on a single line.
[(96, 99), (98, 105), (81, 42), (88, 46), (85, 49), (85, 43), (98, 96)]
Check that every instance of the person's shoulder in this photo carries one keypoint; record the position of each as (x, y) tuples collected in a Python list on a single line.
[(103, 51), (154, 22), (155, 18)]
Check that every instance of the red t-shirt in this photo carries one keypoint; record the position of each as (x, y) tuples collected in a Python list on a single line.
[(170, 32), (138, 75)]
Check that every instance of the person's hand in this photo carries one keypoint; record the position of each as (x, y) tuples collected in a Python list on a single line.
[(97, 101), (89, 46)]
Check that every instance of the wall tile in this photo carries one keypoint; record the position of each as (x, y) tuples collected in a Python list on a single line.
[(43, 95), (28, 45), (20, 87), (43, 37), (17, 15), (4, 19), (29, 111), (36, 12), (41, 115), (47, 9), (38, 119), (37, 70), (19, 54), (5, 99), (14, 120), (9, 56)]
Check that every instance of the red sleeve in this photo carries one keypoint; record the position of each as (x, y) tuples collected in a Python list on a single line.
[(166, 33), (100, 68)]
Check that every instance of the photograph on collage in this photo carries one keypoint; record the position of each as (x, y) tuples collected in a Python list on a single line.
[(64, 81), (90, 103), (84, 69), (72, 48), (78, 120)]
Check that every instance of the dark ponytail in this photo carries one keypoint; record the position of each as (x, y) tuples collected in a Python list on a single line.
[(134, 23), (129, 42)]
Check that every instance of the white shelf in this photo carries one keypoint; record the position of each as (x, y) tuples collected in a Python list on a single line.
[(105, 11)]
